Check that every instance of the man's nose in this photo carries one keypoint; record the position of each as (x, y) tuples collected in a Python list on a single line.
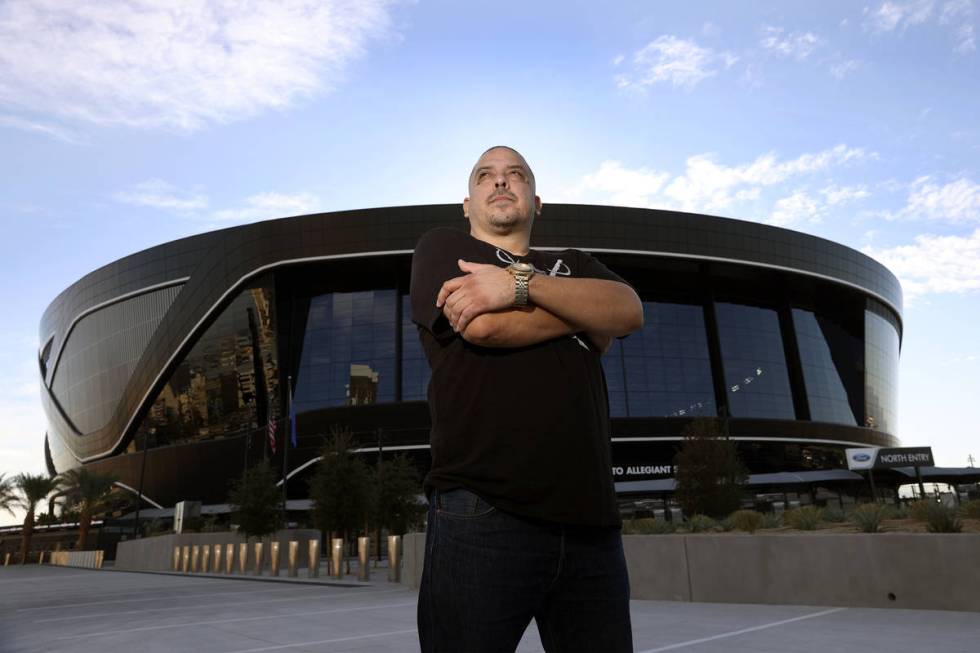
[(500, 181)]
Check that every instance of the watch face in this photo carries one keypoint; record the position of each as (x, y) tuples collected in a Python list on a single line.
[(522, 267)]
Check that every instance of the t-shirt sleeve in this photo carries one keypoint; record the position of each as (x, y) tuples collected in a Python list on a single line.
[(433, 263), (590, 267)]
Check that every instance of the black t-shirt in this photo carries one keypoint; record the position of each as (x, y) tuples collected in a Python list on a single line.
[(526, 428)]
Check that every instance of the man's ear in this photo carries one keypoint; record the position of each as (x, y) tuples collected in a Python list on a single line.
[(537, 205), (466, 207)]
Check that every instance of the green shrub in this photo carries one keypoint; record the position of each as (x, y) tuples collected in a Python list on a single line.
[(725, 525), (833, 515), (647, 526), (771, 520), (746, 520), (869, 516), (919, 510), (899, 512), (943, 519), (701, 524), (806, 518), (971, 509)]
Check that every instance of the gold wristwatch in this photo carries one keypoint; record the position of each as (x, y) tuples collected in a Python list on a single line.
[(522, 273)]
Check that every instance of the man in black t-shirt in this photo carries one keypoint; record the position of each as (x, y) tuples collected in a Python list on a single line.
[(523, 521)]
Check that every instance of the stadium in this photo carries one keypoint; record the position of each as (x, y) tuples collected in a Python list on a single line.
[(166, 366)]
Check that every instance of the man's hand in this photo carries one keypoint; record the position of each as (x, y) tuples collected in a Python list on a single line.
[(483, 289)]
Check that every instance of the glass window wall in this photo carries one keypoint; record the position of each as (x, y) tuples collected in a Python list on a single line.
[(415, 368), (831, 371), (754, 361), (881, 351), (217, 389)]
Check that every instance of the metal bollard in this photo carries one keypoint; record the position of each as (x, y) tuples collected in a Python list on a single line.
[(229, 558), (336, 557), (6, 559), (313, 571), (186, 560), (242, 557), (363, 559), (176, 564), (195, 557), (205, 558), (291, 557), (216, 561), (40, 559), (274, 558), (257, 570), (394, 558), (99, 559)]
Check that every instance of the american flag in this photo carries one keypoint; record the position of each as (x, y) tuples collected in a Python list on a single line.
[(272, 435)]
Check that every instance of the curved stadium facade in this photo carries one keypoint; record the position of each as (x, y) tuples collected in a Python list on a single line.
[(169, 363)]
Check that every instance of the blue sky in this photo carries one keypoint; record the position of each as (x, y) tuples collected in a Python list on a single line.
[(127, 124)]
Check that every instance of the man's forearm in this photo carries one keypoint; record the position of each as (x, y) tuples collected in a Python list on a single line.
[(515, 328), (596, 306)]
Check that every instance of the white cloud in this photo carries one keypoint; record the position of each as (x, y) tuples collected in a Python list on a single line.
[(956, 15), (264, 206), (843, 194), (54, 131), (672, 60), (957, 201), (795, 44), (176, 65), (892, 16), (934, 264), (709, 29), (795, 209), (842, 69), (710, 186), (158, 194), (622, 186)]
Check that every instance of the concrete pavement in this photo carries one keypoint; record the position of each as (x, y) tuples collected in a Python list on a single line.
[(50, 609)]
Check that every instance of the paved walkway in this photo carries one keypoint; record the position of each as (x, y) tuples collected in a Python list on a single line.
[(51, 609)]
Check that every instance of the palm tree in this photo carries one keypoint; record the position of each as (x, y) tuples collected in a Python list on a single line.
[(33, 489), (87, 491), (8, 497)]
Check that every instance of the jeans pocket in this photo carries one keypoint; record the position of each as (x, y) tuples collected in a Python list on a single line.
[(460, 503)]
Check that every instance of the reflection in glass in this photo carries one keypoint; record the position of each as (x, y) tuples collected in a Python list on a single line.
[(662, 370), (415, 368), (101, 353), (227, 383), (831, 375), (881, 351), (755, 365), (348, 351)]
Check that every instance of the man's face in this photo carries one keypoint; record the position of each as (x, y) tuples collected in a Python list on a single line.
[(502, 195)]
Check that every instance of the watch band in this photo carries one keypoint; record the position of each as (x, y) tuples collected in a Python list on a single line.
[(521, 282)]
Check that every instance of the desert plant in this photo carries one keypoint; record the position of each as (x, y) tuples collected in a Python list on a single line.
[(771, 520), (971, 509), (919, 510), (868, 517), (833, 515), (701, 524), (899, 512), (746, 520), (647, 526), (710, 476), (806, 518), (941, 518), (725, 525)]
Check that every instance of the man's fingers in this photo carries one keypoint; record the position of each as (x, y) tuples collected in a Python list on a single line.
[(466, 266), (447, 289)]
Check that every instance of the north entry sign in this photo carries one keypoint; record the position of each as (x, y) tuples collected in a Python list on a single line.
[(889, 457)]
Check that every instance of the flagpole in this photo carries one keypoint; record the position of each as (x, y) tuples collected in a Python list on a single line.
[(286, 441)]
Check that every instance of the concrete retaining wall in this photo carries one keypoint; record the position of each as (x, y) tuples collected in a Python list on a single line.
[(156, 553), (926, 571)]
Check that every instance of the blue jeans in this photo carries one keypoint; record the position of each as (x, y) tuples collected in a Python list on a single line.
[(488, 573)]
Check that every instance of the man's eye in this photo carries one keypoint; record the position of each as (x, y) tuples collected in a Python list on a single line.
[(482, 176), (517, 173)]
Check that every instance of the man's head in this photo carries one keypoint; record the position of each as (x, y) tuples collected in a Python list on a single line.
[(502, 196)]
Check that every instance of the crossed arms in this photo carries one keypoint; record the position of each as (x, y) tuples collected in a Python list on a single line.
[(479, 306)]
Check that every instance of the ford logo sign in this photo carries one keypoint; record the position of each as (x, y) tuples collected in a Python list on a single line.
[(861, 457)]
